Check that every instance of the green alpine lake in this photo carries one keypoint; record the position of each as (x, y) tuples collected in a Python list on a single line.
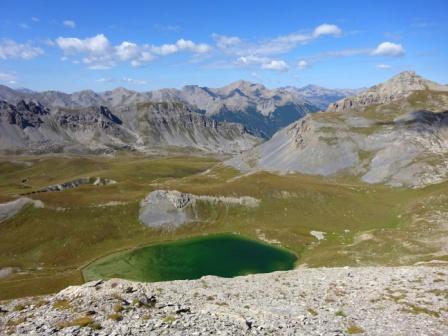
[(225, 255)]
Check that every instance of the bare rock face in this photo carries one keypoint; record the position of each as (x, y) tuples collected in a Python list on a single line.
[(100, 115), (171, 208), (165, 209), (24, 114)]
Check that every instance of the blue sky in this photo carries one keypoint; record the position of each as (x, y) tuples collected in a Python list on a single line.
[(143, 45)]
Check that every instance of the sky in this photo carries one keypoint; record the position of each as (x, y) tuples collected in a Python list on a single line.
[(142, 45)]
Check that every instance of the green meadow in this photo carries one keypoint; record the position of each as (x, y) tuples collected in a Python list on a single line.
[(362, 224)]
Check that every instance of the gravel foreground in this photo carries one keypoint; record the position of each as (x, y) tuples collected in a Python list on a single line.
[(320, 301)]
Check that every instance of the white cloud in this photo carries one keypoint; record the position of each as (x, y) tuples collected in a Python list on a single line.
[(99, 53), (10, 49), (6, 78), (35, 19), (252, 59), (24, 25), (127, 50), (263, 62), (223, 42), (134, 81), (277, 65), (303, 64), (98, 44), (69, 23), (102, 62), (181, 45), (234, 45), (260, 53), (165, 49), (383, 66), (388, 49), (145, 57), (327, 29)]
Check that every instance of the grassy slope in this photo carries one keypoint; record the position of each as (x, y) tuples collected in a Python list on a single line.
[(54, 243), (71, 230)]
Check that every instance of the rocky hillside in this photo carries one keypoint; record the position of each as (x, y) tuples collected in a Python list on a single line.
[(259, 109), (328, 301), (401, 141), (29, 127)]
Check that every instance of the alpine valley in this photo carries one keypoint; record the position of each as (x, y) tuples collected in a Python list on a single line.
[(155, 213)]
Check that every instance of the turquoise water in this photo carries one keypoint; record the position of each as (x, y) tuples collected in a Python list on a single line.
[(224, 255)]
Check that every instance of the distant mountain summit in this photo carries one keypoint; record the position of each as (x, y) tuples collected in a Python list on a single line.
[(394, 133), (396, 88), (322, 97)]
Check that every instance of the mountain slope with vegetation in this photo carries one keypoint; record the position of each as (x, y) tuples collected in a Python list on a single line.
[(394, 133)]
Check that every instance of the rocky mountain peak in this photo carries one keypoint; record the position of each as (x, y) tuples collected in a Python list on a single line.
[(404, 82), (244, 86), (394, 89), (121, 90)]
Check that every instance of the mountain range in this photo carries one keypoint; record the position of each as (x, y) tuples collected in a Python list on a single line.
[(230, 119), (394, 132), (261, 110)]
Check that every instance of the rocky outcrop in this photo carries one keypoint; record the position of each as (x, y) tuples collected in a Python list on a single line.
[(6, 271), (171, 208), (24, 114), (10, 209), (320, 301), (395, 89), (95, 181), (85, 117)]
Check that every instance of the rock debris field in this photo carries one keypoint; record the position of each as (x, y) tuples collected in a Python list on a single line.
[(320, 301)]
